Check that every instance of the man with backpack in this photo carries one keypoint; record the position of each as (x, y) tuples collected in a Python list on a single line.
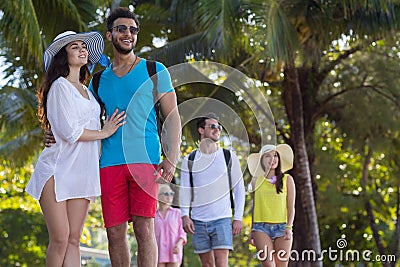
[(211, 185), (131, 163)]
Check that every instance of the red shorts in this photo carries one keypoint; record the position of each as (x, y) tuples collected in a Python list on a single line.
[(126, 191)]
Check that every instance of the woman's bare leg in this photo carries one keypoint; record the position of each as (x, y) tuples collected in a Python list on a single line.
[(77, 210), (55, 215), (282, 244), (264, 247)]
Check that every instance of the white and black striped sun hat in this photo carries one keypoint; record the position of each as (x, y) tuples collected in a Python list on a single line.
[(93, 40)]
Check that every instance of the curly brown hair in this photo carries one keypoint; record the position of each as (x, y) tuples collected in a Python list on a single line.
[(120, 12)]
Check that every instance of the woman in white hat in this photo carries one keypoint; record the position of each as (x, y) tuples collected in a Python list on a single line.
[(66, 176), (273, 204)]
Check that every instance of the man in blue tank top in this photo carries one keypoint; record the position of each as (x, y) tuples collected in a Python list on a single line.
[(131, 163)]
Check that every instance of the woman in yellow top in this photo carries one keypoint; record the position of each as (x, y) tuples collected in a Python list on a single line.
[(273, 204)]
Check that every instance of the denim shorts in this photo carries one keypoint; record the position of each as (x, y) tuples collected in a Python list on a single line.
[(212, 235), (273, 230)]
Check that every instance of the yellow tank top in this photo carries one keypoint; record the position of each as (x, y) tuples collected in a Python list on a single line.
[(268, 205)]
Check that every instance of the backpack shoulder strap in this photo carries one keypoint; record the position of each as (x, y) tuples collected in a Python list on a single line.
[(96, 82), (151, 67), (151, 70), (228, 162), (190, 167), (227, 155), (95, 85)]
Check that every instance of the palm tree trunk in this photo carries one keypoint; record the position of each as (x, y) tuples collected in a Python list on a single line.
[(306, 230)]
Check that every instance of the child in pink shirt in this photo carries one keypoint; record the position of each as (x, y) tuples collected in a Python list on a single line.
[(168, 228)]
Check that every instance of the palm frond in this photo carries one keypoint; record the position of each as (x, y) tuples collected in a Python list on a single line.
[(220, 22), (283, 39), (23, 148), (182, 50), (17, 111), (21, 135), (20, 30)]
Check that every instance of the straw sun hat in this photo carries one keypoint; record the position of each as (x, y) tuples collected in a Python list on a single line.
[(93, 40), (285, 154)]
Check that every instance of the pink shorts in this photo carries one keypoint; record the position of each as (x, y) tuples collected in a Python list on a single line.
[(126, 191)]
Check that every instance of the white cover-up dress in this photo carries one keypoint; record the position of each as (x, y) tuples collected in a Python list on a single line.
[(74, 165)]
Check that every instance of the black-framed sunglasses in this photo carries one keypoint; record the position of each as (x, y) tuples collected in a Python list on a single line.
[(123, 28), (214, 126), (172, 193)]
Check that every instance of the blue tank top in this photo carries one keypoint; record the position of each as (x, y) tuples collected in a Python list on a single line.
[(137, 141)]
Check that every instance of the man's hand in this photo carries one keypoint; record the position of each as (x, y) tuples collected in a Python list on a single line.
[(236, 227), (168, 170), (49, 138), (187, 225)]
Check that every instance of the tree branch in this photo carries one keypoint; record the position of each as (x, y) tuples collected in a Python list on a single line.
[(324, 72)]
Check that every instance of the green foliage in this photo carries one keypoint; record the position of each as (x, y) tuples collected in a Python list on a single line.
[(364, 116), (189, 258), (23, 233), (23, 238), (342, 198)]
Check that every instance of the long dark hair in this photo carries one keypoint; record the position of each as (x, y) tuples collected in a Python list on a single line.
[(278, 173), (58, 67)]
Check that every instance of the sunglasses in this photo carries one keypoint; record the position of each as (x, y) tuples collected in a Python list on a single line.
[(168, 194), (123, 28), (214, 126)]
